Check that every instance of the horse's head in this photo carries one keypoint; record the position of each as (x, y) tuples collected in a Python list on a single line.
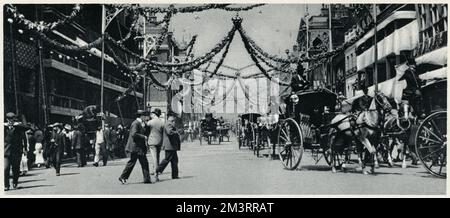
[(407, 71), (404, 121), (381, 102)]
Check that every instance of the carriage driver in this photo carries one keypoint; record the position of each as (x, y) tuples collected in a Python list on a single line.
[(299, 81), (363, 102)]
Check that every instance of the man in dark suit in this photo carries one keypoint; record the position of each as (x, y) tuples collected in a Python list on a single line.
[(15, 144), (299, 81), (137, 148), (171, 144), (362, 103), (59, 141), (78, 144)]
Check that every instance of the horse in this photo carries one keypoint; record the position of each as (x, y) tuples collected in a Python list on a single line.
[(359, 128), (398, 131), (400, 123)]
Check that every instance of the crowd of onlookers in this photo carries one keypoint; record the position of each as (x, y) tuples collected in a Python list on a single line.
[(40, 142), (29, 146)]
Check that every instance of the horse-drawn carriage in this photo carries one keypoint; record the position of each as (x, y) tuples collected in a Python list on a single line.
[(302, 126), (425, 134), (431, 135), (208, 129), (224, 131)]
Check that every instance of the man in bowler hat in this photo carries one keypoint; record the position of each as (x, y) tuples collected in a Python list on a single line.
[(171, 144), (15, 144), (137, 148)]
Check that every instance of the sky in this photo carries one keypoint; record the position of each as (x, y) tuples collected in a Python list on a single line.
[(273, 27)]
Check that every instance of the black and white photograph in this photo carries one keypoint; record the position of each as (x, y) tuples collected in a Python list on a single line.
[(217, 99)]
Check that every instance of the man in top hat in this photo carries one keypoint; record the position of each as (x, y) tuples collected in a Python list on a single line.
[(299, 81), (137, 148), (363, 102), (155, 138), (15, 145)]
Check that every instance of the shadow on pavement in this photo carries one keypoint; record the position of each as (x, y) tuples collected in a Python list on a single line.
[(68, 174), (30, 174), (32, 186), (32, 180), (316, 168)]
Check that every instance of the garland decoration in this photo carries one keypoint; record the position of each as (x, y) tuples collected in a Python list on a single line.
[(132, 28), (40, 26), (182, 67), (188, 9), (237, 22), (65, 47)]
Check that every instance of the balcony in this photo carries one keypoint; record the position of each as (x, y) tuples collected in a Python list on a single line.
[(62, 58), (431, 44), (77, 68), (351, 71), (66, 105)]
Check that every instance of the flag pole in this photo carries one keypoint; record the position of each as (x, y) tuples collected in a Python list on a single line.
[(375, 67), (102, 63)]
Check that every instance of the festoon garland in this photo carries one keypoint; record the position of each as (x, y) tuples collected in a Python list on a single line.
[(188, 9), (237, 23), (40, 26)]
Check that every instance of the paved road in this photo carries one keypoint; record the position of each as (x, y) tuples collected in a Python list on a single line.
[(226, 170)]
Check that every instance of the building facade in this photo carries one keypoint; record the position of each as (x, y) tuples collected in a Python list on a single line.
[(403, 31), (48, 84), (318, 34)]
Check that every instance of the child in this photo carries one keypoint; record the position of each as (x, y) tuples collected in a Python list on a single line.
[(39, 152)]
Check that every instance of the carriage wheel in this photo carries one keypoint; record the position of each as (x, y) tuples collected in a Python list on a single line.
[(290, 144), (431, 143)]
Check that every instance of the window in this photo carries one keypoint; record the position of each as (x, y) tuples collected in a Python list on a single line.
[(347, 64), (351, 61)]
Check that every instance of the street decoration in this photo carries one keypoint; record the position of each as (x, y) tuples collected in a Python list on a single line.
[(40, 26), (188, 9), (257, 54)]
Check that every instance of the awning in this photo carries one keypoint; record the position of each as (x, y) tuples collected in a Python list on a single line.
[(405, 38), (436, 57), (390, 88), (440, 73), (396, 15)]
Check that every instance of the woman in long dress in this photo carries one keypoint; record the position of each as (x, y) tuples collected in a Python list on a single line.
[(39, 148)]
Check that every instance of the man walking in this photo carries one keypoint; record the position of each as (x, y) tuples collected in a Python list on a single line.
[(137, 148), (58, 139), (171, 144), (155, 138), (14, 145), (78, 144), (100, 147)]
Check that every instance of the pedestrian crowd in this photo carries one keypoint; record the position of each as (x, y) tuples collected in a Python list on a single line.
[(28, 146)]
